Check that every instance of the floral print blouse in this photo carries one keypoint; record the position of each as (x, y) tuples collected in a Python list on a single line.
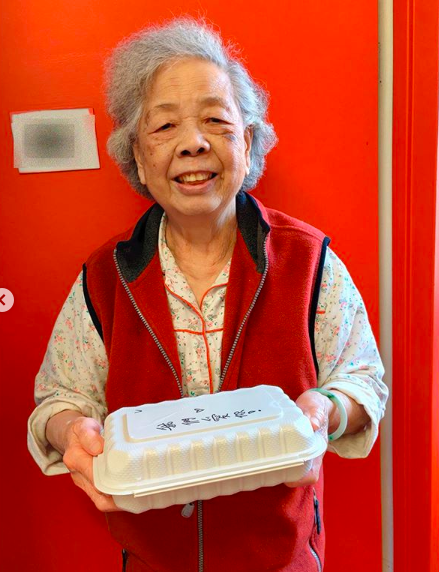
[(74, 370), (198, 328)]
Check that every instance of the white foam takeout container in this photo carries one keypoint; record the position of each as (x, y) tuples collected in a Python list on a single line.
[(196, 448)]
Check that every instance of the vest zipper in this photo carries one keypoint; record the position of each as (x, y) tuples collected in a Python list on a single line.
[(187, 510), (124, 559), (316, 558), (317, 520), (200, 537), (222, 378), (238, 335), (318, 525), (145, 323)]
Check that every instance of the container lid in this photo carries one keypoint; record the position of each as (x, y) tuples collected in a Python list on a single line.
[(198, 440)]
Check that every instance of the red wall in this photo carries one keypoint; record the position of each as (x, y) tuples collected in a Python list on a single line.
[(416, 285), (319, 62)]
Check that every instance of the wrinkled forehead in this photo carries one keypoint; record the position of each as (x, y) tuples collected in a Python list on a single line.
[(190, 82)]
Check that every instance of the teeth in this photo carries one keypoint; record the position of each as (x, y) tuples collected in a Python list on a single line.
[(191, 177)]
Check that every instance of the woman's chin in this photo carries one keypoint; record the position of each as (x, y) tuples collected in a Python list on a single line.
[(205, 200), (196, 205)]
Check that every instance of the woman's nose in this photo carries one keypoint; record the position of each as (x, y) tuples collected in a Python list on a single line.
[(192, 143)]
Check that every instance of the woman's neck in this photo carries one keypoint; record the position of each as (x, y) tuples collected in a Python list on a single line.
[(202, 242)]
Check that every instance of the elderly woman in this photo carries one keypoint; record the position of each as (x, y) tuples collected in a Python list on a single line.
[(210, 291)]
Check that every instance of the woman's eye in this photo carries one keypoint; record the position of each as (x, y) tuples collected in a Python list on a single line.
[(215, 120), (165, 126)]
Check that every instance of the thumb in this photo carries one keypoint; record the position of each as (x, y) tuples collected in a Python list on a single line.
[(315, 419), (313, 406), (89, 437)]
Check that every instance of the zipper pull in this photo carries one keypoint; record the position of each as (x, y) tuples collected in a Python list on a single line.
[(124, 559), (316, 513), (187, 510)]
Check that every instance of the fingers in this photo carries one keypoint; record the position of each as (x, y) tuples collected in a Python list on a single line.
[(103, 502), (80, 465), (311, 477), (85, 442), (77, 460), (317, 408)]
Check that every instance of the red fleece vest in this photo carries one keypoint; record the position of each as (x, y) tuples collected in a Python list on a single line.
[(272, 528)]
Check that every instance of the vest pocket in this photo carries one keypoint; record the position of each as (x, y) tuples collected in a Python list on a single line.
[(124, 559)]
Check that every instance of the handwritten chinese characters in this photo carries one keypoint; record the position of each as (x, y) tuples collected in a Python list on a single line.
[(197, 419)]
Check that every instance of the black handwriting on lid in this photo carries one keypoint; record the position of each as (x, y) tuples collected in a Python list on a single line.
[(164, 426), (241, 413), (189, 420), (215, 417)]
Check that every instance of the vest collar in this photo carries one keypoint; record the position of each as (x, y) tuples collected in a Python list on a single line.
[(135, 254)]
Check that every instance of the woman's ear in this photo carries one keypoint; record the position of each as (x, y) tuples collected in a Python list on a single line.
[(139, 162), (248, 138)]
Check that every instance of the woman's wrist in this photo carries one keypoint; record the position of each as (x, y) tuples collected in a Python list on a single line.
[(57, 429), (334, 412), (357, 416)]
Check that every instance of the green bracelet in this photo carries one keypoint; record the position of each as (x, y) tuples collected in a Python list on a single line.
[(342, 409)]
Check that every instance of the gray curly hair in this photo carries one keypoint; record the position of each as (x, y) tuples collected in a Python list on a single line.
[(130, 71)]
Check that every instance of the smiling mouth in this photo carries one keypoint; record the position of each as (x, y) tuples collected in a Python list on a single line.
[(194, 180)]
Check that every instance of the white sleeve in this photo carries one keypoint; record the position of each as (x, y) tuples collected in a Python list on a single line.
[(72, 376), (347, 354)]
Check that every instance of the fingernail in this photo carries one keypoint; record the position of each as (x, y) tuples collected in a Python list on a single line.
[(315, 422)]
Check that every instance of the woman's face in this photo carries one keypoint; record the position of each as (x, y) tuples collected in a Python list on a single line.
[(191, 125)]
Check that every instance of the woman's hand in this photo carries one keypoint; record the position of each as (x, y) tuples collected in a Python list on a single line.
[(84, 442), (78, 439), (318, 408)]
